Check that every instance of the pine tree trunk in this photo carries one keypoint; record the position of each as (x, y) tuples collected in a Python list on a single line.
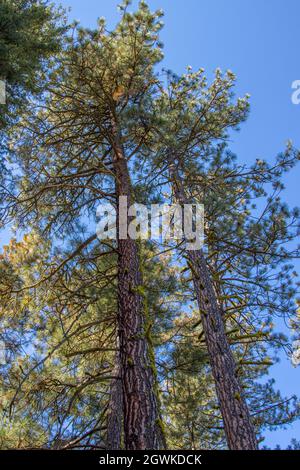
[(239, 430), (115, 408), (140, 402)]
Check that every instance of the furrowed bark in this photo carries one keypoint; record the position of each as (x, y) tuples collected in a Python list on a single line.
[(238, 428), (142, 429)]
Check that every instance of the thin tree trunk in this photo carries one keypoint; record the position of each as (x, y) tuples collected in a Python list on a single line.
[(115, 408), (239, 430), (142, 428)]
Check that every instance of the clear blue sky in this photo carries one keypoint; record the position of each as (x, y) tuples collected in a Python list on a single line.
[(259, 41)]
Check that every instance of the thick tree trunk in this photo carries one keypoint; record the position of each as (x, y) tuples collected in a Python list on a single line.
[(142, 429), (239, 430)]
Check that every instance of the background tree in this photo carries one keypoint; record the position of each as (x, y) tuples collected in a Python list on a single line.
[(30, 34)]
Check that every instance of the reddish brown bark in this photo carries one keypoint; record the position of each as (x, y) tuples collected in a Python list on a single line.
[(239, 430), (140, 402)]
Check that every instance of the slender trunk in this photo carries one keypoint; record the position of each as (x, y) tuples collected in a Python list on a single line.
[(142, 429), (115, 409), (239, 430)]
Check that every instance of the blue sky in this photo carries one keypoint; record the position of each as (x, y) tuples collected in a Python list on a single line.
[(258, 40)]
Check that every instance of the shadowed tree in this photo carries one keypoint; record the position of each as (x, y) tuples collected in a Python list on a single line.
[(31, 34)]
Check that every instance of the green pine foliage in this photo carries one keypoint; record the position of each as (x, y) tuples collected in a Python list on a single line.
[(30, 34)]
